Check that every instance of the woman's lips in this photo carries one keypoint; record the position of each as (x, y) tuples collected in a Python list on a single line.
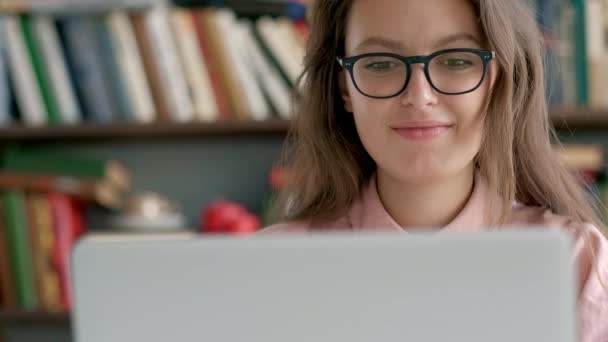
[(422, 130)]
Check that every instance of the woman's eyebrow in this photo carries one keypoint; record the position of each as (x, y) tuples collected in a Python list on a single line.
[(379, 41), (457, 37), (396, 45)]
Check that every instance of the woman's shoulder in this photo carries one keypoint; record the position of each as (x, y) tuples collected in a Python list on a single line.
[(522, 215), (590, 250)]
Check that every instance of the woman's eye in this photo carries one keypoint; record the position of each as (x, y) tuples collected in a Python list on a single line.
[(380, 66), (457, 64)]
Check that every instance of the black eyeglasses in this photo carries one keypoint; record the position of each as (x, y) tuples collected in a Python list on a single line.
[(450, 72)]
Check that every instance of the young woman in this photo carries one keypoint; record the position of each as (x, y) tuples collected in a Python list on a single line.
[(432, 114)]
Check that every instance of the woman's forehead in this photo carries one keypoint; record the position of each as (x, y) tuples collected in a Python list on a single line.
[(402, 25)]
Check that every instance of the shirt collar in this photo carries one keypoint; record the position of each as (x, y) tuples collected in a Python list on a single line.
[(368, 212)]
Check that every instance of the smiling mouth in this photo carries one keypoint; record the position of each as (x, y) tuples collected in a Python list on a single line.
[(422, 132)]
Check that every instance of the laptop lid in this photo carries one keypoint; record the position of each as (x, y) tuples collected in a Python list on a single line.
[(477, 287)]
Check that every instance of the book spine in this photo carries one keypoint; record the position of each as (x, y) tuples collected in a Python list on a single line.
[(5, 105), (80, 37), (44, 241), (277, 91), (55, 63), (595, 53), (212, 63), (8, 293), (197, 75), (130, 63), (28, 95), (580, 44), (114, 78), (44, 83), (256, 107), (20, 248), (157, 88), (168, 64), (68, 226)]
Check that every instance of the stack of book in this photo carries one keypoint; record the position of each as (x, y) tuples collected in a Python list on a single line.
[(42, 202), (145, 65)]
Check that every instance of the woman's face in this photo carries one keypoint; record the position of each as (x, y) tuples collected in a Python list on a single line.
[(420, 135)]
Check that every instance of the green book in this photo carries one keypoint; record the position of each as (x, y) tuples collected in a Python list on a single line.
[(580, 54), (40, 162), (42, 76), (20, 248)]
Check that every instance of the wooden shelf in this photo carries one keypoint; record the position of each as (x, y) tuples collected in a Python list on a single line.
[(574, 119), (563, 118), (133, 131), (35, 317)]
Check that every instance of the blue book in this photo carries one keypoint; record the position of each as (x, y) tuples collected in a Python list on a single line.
[(83, 54), (547, 18), (5, 101), (110, 64)]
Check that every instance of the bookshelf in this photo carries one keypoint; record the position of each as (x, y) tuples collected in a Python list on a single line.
[(573, 118), (33, 317), (133, 131)]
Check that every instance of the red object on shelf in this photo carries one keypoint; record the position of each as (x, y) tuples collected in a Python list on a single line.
[(225, 217), (278, 178)]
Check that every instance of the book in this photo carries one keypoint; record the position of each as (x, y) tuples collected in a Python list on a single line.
[(68, 224), (193, 60), (40, 162), (28, 97), (20, 251), (42, 76), (101, 192), (43, 244), (130, 67), (168, 64), (153, 74), (54, 61), (5, 105), (218, 47), (8, 297), (82, 54), (213, 63), (268, 77), (115, 78), (251, 103)]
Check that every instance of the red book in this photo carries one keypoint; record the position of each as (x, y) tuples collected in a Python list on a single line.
[(69, 226)]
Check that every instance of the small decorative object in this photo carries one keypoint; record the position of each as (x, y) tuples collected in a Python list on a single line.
[(225, 217), (149, 212)]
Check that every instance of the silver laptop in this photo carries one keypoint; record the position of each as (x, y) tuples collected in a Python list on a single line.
[(477, 287)]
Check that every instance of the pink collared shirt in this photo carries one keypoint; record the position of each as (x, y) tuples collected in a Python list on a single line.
[(368, 213)]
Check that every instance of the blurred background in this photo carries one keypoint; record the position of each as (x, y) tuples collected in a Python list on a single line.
[(148, 116)]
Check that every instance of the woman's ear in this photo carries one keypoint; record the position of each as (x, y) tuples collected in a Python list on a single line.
[(344, 91)]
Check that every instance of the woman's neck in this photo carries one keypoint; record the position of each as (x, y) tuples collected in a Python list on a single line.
[(429, 205)]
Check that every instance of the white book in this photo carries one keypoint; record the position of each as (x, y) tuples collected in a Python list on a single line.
[(55, 62), (131, 65), (168, 64), (269, 31), (594, 25), (267, 75), (240, 61), (290, 39), (27, 91), (197, 75)]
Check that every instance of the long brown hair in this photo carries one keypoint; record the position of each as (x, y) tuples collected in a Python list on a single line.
[(329, 165)]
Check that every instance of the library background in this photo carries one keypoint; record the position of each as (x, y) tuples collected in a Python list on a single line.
[(147, 116)]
